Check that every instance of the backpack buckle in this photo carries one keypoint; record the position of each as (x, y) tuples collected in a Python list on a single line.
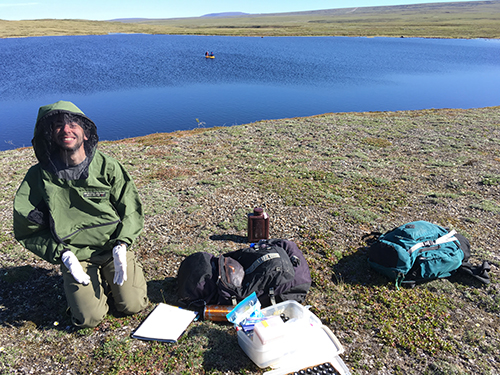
[(271, 296)]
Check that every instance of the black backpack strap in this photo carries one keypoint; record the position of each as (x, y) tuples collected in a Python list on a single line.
[(478, 272)]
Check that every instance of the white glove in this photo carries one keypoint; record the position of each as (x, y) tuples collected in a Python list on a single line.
[(73, 265), (120, 260)]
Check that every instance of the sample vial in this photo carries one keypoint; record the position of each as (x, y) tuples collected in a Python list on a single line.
[(217, 313)]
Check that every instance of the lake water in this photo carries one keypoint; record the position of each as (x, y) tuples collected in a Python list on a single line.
[(133, 85)]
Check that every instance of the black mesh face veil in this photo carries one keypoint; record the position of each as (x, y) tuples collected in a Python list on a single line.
[(45, 147)]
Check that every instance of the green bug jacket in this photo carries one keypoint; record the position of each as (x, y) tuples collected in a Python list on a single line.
[(86, 215)]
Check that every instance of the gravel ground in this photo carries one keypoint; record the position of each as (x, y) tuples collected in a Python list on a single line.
[(328, 182)]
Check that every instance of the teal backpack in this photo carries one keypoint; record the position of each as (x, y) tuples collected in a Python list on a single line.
[(422, 251)]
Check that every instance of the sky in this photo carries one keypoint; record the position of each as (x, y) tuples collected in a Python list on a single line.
[(112, 9)]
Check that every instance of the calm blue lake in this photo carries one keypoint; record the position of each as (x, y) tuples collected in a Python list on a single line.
[(133, 85)]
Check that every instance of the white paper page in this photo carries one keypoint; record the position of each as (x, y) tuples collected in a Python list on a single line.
[(165, 323)]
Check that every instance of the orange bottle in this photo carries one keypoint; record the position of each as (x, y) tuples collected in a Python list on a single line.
[(217, 313)]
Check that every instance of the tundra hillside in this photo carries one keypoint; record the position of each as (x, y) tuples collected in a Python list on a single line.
[(329, 183), (473, 19)]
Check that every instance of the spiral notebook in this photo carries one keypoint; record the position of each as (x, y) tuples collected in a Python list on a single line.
[(165, 323)]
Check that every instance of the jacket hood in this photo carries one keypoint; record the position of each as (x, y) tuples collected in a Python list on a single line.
[(42, 142)]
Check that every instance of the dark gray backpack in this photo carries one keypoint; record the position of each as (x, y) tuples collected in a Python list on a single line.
[(275, 270)]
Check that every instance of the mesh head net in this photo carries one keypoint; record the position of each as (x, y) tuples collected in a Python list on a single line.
[(43, 143)]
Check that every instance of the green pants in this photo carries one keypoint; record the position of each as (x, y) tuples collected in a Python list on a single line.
[(89, 303)]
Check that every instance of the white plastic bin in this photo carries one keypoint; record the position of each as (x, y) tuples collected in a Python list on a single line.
[(304, 342)]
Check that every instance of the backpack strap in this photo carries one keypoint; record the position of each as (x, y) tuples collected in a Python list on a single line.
[(261, 260), (478, 272), (449, 237)]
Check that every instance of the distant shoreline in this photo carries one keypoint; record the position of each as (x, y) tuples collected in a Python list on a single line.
[(187, 132), (457, 20), (255, 36)]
